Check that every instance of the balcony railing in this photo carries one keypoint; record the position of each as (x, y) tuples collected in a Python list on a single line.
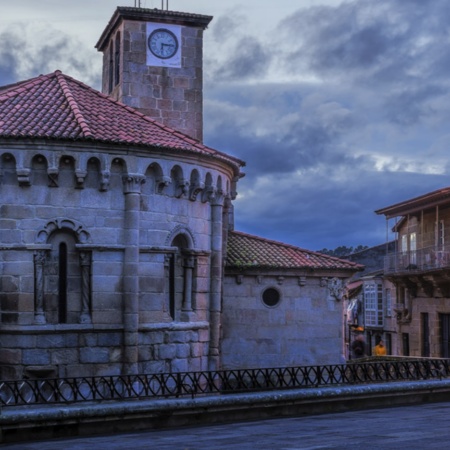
[(420, 260), (191, 384)]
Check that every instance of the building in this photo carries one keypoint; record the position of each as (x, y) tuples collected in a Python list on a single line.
[(117, 248), (419, 267), (369, 302)]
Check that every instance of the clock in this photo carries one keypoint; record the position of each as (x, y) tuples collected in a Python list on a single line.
[(163, 43)]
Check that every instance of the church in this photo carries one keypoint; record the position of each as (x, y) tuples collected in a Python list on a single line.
[(118, 253)]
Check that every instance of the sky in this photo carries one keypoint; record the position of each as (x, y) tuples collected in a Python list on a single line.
[(339, 108)]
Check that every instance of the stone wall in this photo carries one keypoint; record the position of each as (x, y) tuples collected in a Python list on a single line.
[(134, 229), (304, 328)]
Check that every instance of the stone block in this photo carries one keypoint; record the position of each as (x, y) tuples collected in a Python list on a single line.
[(183, 351), (109, 339), (179, 365), (64, 356), (166, 351), (94, 355), (10, 356), (35, 356)]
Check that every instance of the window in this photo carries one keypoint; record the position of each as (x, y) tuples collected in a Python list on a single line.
[(413, 248), (425, 334), (117, 59), (110, 69), (373, 305), (440, 235), (271, 297), (444, 320), (405, 340), (388, 343), (388, 296)]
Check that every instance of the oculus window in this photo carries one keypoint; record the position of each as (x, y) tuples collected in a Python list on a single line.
[(271, 297)]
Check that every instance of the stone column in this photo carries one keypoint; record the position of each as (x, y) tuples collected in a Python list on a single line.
[(39, 263), (215, 306), (85, 263), (132, 191), (188, 278)]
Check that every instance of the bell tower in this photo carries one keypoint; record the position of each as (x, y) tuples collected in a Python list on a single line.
[(153, 62)]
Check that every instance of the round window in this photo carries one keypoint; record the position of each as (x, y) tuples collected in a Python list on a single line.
[(271, 297)]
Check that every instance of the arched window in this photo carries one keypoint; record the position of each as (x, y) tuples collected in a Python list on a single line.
[(62, 283), (111, 69), (181, 279), (62, 277), (117, 60)]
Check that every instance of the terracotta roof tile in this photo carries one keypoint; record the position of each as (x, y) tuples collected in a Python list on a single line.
[(56, 106), (246, 251)]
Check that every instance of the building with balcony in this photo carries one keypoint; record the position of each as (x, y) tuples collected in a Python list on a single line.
[(419, 267), (369, 302)]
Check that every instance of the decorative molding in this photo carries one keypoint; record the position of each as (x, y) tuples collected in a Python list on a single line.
[(181, 229), (82, 236), (195, 189), (182, 188), (23, 177), (336, 288), (105, 176), (161, 183), (53, 174), (80, 176)]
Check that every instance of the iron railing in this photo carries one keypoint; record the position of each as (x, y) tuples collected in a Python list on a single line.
[(428, 258), (166, 385)]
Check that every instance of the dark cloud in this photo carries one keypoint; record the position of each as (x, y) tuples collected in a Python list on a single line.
[(368, 130)]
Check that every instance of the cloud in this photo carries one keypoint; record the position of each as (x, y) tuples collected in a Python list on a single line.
[(22, 56), (357, 119)]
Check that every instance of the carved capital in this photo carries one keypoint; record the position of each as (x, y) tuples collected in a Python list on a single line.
[(218, 198), (132, 184)]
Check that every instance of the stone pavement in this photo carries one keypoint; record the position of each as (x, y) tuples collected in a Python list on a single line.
[(421, 427)]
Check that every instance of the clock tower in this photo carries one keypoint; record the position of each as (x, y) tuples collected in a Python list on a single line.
[(153, 62)]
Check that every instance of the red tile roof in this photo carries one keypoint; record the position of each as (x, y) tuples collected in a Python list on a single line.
[(247, 251), (56, 106)]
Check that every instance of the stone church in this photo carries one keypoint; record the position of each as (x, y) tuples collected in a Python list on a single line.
[(118, 253)]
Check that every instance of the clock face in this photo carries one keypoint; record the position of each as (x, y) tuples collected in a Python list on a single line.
[(163, 43)]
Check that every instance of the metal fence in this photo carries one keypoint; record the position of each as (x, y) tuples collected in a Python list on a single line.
[(423, 259), (191, 384)]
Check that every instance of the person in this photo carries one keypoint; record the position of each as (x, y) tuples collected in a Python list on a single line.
[(359, 347), (379, 349)]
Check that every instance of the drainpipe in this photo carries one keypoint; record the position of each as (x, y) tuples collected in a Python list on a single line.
[(132, 191)]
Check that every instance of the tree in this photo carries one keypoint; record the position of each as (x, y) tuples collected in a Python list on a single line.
[(343, 250)]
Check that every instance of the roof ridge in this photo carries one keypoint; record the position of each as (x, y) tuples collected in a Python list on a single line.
[(61, 78)]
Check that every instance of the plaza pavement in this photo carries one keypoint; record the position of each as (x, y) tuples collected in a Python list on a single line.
[(423, 427)]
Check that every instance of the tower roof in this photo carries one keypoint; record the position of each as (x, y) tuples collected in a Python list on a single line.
[(150, 15), (56, 106)]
